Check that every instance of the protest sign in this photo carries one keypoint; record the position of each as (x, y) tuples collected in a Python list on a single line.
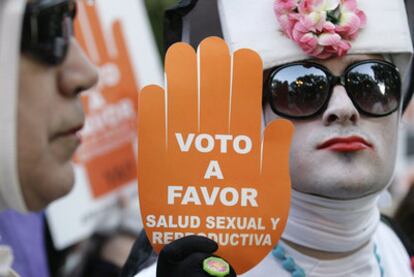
[(203, 166), (105, 162)]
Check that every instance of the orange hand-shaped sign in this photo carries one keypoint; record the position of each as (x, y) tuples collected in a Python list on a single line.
[(107, 138), (203, 167)]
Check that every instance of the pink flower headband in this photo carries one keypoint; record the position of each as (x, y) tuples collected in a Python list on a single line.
[(322, 28)]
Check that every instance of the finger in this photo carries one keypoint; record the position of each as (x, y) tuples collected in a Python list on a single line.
[(151, 132), (246, 107), (181, 248), (191, 265), (181, 72), (276, 145), (123, 60), (275, 155), (214, 72), (127, 86), (96, 45)]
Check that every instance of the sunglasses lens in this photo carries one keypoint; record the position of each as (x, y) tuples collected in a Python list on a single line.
[(47, 32), (374, 87), (298, 90)]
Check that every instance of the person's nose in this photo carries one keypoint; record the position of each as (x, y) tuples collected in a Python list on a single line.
[(340, 108), (77, 73)]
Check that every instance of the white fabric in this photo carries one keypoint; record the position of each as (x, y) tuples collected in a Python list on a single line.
[(394, 260), (11, 12), (252, 24), (331, 225), (6, 260)]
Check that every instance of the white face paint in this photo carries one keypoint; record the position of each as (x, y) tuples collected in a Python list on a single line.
[(342, 175)]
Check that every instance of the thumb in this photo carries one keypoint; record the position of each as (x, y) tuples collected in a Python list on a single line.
[(275, 152)]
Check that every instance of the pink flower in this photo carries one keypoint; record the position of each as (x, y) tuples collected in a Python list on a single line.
[(333, 43), (283, 7), (314, 21), (284, 10), (287, 23), (322, 28), (308, 6), (351, 20)]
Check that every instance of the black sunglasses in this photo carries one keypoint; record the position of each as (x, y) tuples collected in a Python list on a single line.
[(47, 30), (302, 90)]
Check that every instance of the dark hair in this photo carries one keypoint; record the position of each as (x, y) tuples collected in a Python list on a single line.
[(405, 215)]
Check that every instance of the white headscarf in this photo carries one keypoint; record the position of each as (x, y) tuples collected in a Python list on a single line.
[(11, 17)]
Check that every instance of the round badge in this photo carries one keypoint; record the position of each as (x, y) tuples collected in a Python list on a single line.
[(216, 266)]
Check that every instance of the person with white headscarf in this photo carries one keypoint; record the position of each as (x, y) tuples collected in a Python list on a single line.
[(340, 71), (42, 72)]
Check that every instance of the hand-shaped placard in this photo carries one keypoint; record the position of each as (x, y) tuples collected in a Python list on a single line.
[(107, 151), (203, 166)]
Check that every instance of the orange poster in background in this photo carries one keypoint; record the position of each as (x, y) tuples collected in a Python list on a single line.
[(107, 150), (203, 166)]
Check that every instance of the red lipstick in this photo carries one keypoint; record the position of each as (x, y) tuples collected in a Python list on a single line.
[(345, 144)]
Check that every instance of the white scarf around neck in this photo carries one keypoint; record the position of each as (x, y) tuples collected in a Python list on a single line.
[(331, 225)]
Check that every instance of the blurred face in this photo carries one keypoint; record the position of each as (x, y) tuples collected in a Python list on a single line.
[(49, 119), (341, 153)]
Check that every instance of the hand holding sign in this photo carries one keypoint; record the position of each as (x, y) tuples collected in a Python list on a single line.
[(202, 166), (185, 256)]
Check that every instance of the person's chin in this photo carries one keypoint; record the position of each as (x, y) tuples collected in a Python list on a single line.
[(58, 184), (346, 189), (66, 181)]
